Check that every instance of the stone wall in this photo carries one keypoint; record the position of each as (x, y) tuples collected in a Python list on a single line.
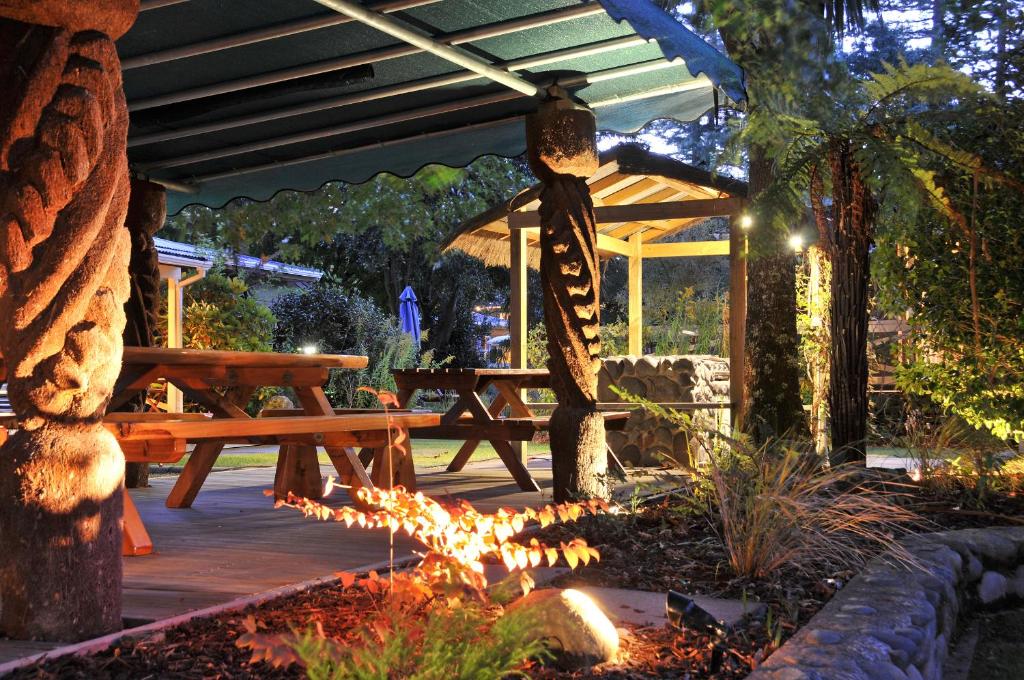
[(648, 439), (895, 622)]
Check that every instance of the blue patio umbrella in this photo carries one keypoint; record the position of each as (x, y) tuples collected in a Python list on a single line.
[(409, 314)]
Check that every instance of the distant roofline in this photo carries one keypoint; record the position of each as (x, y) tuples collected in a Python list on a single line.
[(177, 254)]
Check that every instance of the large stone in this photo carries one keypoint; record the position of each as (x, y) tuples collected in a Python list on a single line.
[(572, 625), (992, 587)]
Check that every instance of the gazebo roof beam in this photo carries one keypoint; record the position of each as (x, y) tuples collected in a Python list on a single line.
[(685, 249), (606, 245), (645, 212), (429, 44), (407, 88), (259, 35)]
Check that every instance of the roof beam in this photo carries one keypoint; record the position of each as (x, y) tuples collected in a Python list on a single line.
[(685, 249), (408, 88), (396, 51), (397, 29), (259, 35), (606, 245), (644, 212)]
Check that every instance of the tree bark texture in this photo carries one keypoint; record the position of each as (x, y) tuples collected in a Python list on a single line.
[(774, 405), (853, 213), (63, 283), (571, 283), (147, 209)]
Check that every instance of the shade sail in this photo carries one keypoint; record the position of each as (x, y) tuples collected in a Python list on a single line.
[(239, 99)]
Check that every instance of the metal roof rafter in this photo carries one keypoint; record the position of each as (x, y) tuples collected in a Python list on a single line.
[(421, 85), (396, 117), (397, 29), (370, 57)]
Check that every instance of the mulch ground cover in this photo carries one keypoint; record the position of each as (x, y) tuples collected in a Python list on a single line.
[(657, 549)]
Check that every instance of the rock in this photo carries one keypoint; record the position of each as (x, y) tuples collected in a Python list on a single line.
[(992, 587), (1017, 585), (573, 626)]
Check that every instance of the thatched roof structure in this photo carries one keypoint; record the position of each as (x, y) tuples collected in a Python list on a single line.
[(628, 175)]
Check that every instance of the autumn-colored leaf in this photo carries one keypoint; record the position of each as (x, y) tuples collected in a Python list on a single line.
[(347, 578), (552, 556)]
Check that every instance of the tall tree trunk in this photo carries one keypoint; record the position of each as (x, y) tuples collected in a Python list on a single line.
[(63, 283), (853, 214), (562, 148), (147, 209), (774, 405)]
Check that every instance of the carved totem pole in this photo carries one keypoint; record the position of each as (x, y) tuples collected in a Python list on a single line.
[(63, 283), (562, 149), (147, 209)]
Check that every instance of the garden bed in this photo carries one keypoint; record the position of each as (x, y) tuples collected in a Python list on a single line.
[(660, 547)]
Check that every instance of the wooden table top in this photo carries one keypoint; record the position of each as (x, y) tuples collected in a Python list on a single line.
[(203, 357)]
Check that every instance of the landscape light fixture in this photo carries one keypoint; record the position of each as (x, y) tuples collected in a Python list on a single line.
[(746, 222), (309, 349), (796, 242)]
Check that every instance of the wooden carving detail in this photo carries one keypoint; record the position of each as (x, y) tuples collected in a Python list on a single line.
[(561, 147), (63, 282), (147, 210)]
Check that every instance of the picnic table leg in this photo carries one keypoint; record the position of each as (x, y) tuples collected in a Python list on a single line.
[(469, 446), (614, 464), (350, 469), (402, 470), (192, 476), (135, 539), (518, 469), (298, 471)]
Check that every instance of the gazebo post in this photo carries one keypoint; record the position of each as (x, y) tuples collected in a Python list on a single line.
[(517, 317), (561, 143), (737, 318), (636, 295), (63, 283)]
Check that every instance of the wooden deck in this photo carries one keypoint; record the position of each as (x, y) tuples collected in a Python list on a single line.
[(233, 542)]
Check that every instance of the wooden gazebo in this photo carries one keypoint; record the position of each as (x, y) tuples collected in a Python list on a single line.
[(641, 201)]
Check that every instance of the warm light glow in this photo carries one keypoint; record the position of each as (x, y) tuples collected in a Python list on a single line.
[(796, 242), (310, 349), (746, 222)]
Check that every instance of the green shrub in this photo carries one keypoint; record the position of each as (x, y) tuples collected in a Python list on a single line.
[(220, 313), (337, 321)]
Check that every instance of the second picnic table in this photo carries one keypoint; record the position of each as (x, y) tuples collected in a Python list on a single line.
[(472, 419)]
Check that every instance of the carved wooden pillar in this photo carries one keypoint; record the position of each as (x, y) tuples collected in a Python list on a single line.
[(147, 209), (562, 148), (63, 282)]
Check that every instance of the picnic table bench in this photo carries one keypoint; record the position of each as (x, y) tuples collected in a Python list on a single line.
[(473, 420)]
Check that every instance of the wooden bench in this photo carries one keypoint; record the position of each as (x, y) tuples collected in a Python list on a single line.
[(162, 438)]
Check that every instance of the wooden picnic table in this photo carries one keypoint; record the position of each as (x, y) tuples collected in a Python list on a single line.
[(473, 420), (222, 382)]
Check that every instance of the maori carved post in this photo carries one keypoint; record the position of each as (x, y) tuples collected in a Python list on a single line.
[(63, 282), (561, 144), (147, 210)]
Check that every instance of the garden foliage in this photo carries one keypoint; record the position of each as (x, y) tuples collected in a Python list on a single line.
[(338, 321), (438, 620)]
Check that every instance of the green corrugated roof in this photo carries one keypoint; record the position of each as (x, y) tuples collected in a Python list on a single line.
[(348, 101)]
